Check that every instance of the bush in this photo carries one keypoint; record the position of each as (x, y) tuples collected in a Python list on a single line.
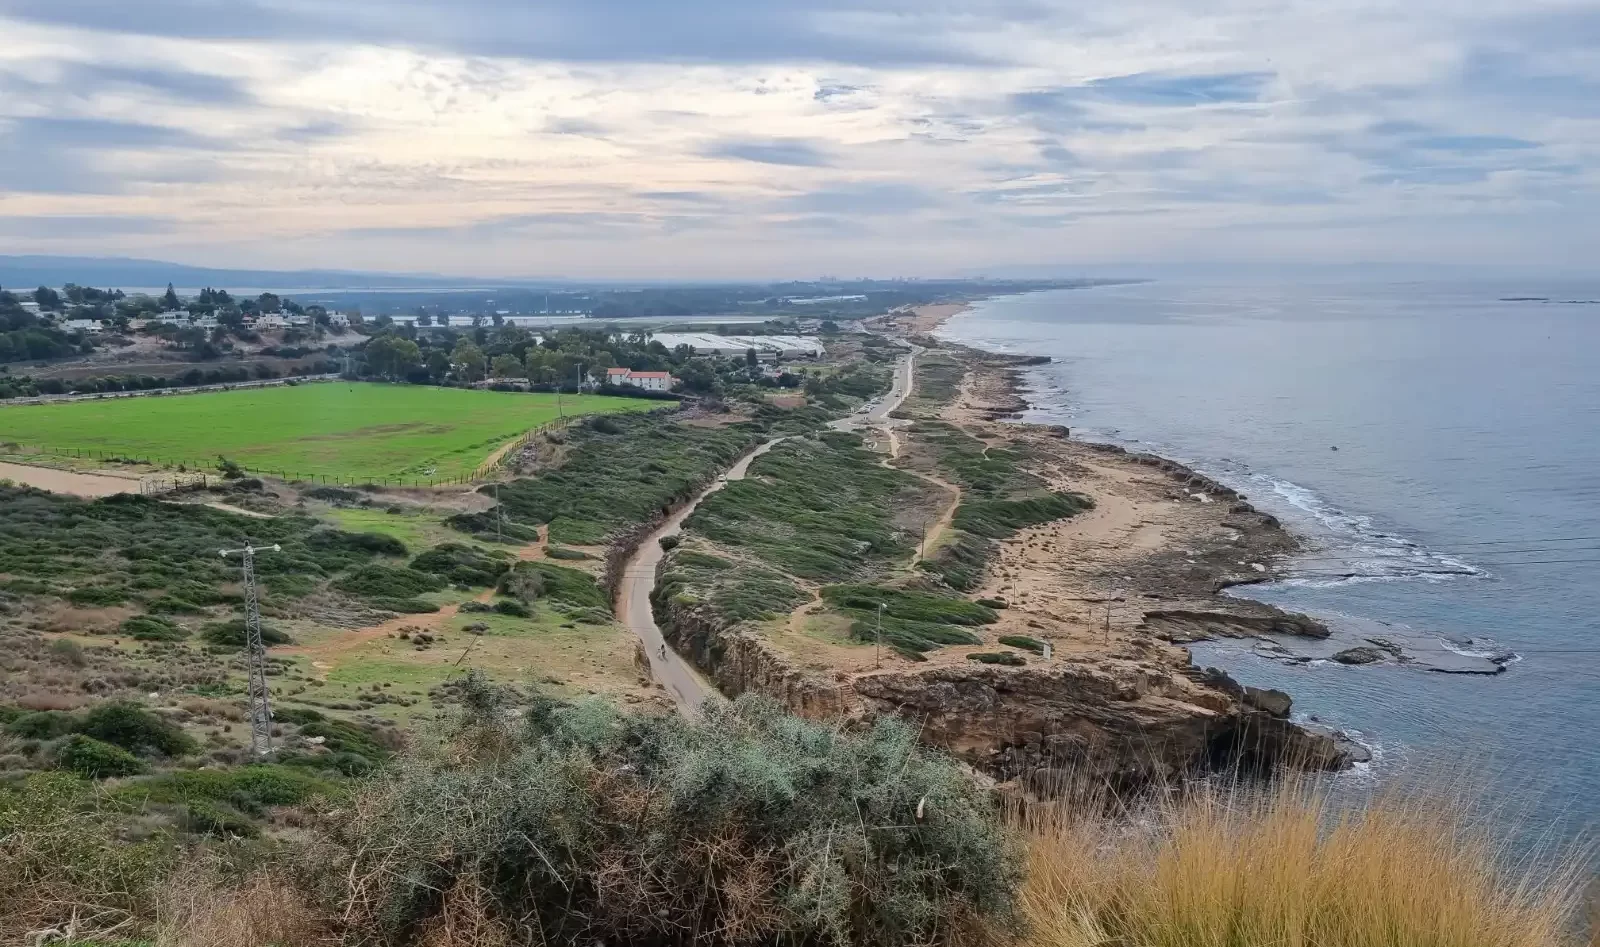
[(670, 543), (961, 562), (528, 581), (150, 628), (911, 622), (512, 607), (466, 565), (562, 552), (582, 824), (98, 596), (375, 581), (43, 725), (211, 818), (1000, 519), (1007, 658), (232, 634), (1023, 642), (94, 759), (134, 728)]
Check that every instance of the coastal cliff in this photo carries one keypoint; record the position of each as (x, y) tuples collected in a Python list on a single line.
[(1112, 722)]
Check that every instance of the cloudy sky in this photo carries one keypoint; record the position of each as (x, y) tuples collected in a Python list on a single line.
[(727, 138)]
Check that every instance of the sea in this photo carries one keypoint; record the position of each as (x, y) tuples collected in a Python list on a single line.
[(1437, 445)]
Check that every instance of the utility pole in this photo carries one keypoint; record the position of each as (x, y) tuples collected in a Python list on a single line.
[(256, 653), (877, 660)]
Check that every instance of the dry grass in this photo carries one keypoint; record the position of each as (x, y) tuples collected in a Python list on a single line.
[(1289, 868), (197, 909)]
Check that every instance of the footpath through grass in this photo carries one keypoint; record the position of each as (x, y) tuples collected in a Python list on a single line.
[(338, 430)]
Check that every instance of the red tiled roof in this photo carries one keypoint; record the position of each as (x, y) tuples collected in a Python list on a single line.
[(616, 371)]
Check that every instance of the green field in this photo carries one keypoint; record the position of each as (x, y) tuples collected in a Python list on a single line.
[(350, 432)]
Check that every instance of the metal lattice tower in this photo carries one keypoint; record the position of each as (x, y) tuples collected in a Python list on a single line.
[(256, 653)]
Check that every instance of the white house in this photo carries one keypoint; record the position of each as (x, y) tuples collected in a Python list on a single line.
[(91, 326), (649, 381)]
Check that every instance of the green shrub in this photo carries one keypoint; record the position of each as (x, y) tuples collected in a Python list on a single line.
[(466, 565), (232, 634), (670, 543), (961, 562), (95, 759), (1023, 642), (211, 818), (43, 724), (911, 622), (98, 595), (1007, 658), (587, 824), (490, 525), (385, 582), (991, 602), (151, 628), (172, 605), (533, 580), (562, 552), (512, 607), (1001, 519), (135, 728)]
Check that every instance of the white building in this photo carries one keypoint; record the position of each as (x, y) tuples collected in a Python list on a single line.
[(91, 326), (649, 381)]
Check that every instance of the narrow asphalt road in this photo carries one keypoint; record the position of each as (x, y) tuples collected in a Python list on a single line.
[(688, 689)]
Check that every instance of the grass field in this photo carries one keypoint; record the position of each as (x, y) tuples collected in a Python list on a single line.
[(352, 432)]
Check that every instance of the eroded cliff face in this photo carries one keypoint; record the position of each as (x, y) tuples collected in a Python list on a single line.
[(1085, 721)]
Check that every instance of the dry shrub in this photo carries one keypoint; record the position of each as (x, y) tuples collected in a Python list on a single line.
[(40, 700), (199, 909), (1288, 866), (466, 919), (211, 708)]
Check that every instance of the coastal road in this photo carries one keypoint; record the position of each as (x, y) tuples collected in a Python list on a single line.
[(685, 685)]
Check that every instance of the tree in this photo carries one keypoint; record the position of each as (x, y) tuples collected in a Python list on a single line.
[(828, 325), (170, 301), (751, 359), (498, 319), (468, 360), (507, 366), (424, 320), (269, 302), (47, 298), (391, 356)]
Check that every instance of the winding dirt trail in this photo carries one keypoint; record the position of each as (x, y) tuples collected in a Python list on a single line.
[(688, 689)]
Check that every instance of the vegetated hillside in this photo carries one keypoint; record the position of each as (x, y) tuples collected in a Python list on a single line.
[(537, 822)]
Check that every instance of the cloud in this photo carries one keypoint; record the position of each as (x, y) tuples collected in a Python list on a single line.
[(806, 135), (78, 226), (1147, 88), (863, 199), (794, 152)]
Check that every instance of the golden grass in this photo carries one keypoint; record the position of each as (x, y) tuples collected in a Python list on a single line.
[(1290, 868)]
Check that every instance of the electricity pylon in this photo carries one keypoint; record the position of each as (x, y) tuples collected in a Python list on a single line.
[(256, 653)]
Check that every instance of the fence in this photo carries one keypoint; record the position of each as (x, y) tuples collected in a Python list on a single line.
[(503, 456), (155, 485)]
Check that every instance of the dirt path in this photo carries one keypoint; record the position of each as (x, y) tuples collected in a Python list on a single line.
[(688, 689), (63, 481)]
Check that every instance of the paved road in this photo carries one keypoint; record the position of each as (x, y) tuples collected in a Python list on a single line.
[(688, 689)]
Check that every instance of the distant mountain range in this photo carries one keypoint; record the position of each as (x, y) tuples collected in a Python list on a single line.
[(28, 272)]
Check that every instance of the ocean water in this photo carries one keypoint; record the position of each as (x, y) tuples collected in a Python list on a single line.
[(1459, 514)]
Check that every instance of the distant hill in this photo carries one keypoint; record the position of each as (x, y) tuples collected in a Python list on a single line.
[(27, 272)]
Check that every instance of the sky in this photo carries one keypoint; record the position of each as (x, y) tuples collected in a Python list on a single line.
[(739, 139)]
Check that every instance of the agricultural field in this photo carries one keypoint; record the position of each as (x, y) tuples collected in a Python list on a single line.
[(340, 431)]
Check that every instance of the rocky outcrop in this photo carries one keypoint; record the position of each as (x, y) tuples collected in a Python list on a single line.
[(1241, 620), (1104, 722)]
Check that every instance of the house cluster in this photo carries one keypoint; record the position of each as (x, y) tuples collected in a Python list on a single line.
[(257, 321), (649, 381)]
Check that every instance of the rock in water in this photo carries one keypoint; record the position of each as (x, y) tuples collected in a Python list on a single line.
[(1274, 702), (1359, 655)]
